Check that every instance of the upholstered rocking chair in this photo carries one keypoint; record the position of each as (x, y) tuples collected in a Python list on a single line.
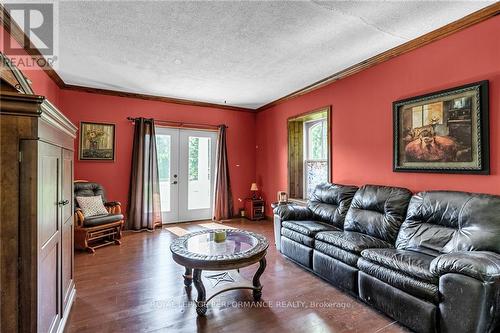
[(92, 232)]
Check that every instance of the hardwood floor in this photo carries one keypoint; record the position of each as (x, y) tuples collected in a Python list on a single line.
[(137, 287)]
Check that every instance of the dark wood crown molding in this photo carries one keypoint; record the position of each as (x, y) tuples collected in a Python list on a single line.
[(481, 15), (465, 22), (153, 98)]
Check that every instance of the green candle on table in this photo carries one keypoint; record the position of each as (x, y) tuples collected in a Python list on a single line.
[(220, 236)]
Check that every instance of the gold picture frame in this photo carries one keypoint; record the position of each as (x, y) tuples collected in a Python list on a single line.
[(443, 132), (97, 142)]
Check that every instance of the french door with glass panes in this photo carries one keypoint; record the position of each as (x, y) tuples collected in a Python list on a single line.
[(186, 163)]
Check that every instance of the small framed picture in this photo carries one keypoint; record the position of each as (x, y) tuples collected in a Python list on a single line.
[(97, 141), (443, 132)]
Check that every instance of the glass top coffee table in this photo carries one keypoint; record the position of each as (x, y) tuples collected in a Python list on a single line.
[(221, 261)]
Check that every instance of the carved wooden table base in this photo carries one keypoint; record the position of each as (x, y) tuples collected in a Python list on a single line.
[(220, 261), (221, 281)]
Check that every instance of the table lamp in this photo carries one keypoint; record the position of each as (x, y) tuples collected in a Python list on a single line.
[(254, 188)]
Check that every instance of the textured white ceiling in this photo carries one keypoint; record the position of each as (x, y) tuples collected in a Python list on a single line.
[(245, 53)]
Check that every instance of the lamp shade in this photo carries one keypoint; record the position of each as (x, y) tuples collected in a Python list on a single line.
[(254, 187)]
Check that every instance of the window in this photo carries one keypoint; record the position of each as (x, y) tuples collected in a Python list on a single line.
[(316, 141), (308, 152), (163, 149), (316, 148), (194, 144)]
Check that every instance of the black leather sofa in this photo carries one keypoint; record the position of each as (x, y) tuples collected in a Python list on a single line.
[(299, 225), (430, 261)]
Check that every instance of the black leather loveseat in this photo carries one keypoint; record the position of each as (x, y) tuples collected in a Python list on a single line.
[(430, 261)]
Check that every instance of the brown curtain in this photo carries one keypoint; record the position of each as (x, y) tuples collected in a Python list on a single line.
[(144, 211), (223, 206)]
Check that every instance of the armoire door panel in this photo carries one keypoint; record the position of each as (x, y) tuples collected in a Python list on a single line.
[(49, 233), (49, 196), (48, 294)]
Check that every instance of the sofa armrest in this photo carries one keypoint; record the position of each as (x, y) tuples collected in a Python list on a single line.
[(288, 212), (481, 265), (293, 212)]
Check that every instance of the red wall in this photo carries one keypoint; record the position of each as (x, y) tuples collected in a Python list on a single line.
[(115, 176), (362, 114)]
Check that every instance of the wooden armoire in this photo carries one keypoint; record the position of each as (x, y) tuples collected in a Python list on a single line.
[(36, 226)]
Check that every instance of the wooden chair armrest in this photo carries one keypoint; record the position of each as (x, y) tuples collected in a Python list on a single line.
[(112, 203), (113, 207), (79, 217)]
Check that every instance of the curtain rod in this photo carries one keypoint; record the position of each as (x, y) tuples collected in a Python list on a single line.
[(182, 124)]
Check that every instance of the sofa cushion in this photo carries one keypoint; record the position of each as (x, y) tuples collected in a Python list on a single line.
[(378, 211), (445, 221), (308, 228), (414, 264), (421, 289), (330, 203), (101, 219), (337, 253), (351, 241), (298, 237)]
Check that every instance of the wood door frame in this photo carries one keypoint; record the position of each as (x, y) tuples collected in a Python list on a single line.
[(328, 110)]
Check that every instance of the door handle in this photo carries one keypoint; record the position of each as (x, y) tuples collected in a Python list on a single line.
[(174, 182), (63, 202)]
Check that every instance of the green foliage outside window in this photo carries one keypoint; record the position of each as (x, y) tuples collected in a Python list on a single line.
[(194, 144), (163, 155), (318, 140)]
